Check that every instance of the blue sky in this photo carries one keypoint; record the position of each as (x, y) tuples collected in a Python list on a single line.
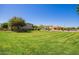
[(47, 14)]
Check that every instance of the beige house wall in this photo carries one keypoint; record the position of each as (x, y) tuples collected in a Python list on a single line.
[(56, 28)]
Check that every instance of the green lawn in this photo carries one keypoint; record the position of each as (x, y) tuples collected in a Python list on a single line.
[(39, 43)]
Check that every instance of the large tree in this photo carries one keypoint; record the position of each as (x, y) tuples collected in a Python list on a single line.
[(15, 23)]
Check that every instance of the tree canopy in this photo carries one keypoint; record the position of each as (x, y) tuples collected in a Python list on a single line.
[(16, 23)]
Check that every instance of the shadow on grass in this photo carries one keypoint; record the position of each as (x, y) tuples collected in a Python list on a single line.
[(27, 31)]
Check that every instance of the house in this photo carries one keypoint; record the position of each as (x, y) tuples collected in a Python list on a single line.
[(56, 28), (28, 26)]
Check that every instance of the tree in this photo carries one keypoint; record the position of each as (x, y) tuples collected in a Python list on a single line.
[(73, 28), (15, 23), (77, 27), (77, 9), (4, 25), (41, 27), (35, 27), (47, 28), (67, 28)]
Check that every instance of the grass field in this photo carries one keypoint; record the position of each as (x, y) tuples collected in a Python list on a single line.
[(39, 43)]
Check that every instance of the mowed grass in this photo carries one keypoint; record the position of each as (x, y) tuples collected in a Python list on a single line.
[(39, 43)]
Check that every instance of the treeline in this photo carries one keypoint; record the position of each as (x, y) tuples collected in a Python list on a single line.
[(71, 28), (19, 25)]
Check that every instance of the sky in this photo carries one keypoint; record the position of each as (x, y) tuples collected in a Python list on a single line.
[(46, 14)]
